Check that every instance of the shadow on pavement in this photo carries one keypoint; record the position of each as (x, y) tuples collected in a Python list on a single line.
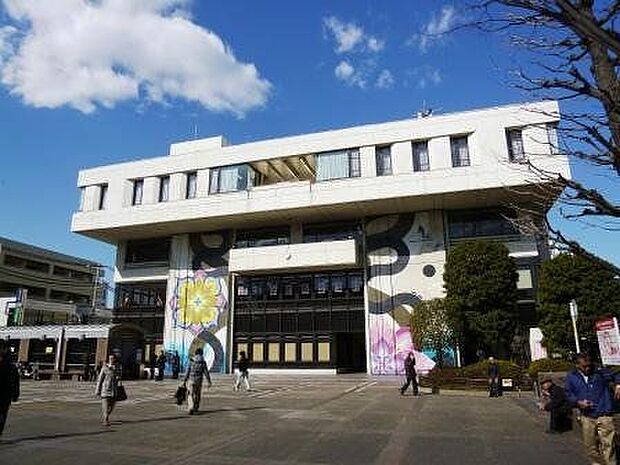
[(51, 436), (184, 416)]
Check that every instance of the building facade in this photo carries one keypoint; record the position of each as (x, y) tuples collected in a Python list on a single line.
[(40, 286), (312, 251)]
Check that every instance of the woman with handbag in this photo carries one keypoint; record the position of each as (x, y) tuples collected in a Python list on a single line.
[(108, 388)]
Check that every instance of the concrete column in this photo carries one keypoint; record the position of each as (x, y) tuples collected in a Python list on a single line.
[(177, 186), (24, 347), (151, 190), (402, 158), (63, 355), (101, 353), (202, 183), (439, 155), (368, 161)]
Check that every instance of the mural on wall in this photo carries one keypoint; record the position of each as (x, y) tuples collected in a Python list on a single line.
[(398, 248), (198, 311)]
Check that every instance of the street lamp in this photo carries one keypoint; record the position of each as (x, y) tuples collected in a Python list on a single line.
[(574, 312)]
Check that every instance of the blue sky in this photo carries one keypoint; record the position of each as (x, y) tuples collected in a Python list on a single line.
[(286, 68)]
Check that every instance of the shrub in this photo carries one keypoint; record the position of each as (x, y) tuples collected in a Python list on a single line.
[(507, 369), (548, 364)]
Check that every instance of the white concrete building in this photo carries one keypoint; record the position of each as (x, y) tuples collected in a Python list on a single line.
[(310, 251)]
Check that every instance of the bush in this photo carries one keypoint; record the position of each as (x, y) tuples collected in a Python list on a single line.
[(548, 364), (507, 369)]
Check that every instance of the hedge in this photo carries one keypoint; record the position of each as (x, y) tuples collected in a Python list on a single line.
[(547, 365)]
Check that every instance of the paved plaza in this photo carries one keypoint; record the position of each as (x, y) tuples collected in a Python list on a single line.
[(294, 420)]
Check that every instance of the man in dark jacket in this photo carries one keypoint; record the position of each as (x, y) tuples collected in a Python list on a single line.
[(588, 390), (243, 373), (9, 385), (556, 403), (411, 375), (176, 365), (161, 366), (196, 371), (493, 374)]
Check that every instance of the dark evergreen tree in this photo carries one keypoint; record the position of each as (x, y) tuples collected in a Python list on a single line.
[(481, 285), (595, 288)]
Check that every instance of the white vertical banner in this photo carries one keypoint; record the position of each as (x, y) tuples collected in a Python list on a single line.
[(537, 351), (608, 337)]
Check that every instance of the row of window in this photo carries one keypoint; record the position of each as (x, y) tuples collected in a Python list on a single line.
[(329, 166), (321, 285), (293, 352)]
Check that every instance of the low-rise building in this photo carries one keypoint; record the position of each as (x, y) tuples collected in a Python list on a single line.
[(311, 251)]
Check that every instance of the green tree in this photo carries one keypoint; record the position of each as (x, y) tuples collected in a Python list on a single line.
[(481, 285), (432, 328), (595, 288)]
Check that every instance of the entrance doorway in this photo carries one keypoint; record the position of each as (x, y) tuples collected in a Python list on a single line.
[(350, 353)]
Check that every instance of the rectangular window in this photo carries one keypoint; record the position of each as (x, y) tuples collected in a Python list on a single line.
[(323, 351), (257, 352), (164, 188), (514, 139), (460, 151), (148, 252), (231, 178), (274, 352), (307, 351), (420, 156), (525, 279), (552, 136), (138, 189), (103, 196), (290, 351), (383, 156), (191, 185), (338, 165)]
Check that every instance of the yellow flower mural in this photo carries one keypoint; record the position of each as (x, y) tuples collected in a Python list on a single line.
[(198, 302)]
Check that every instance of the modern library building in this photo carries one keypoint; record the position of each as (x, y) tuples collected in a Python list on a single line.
[(311, 251)]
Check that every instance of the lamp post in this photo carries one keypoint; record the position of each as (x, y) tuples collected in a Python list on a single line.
[(574, 312)]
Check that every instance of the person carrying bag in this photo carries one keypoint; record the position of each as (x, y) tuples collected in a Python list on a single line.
[(109, 388)]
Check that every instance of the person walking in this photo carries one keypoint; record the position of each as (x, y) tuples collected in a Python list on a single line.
[(411, 375), (588, 389), (242, 372), (9, 385), (106, 388), (176, 365), (556, 403), (196, 371), (161, 366), (493, 375)]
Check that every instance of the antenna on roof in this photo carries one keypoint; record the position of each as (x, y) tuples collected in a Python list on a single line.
[(195, 132), (425, 112)]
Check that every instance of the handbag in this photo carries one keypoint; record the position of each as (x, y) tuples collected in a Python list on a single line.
[(180, 395), (121, 394)]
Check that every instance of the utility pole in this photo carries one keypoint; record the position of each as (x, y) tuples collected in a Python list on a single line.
[(574, 312), (95, 285)]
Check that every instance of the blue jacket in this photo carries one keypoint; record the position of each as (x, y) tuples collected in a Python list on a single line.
[(596, 390)]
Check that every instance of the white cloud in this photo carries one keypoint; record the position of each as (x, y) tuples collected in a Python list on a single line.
[(375, 45), (347, 73), (434, 31), (423, 77), (385, 80), (350, 37), (85, 54)]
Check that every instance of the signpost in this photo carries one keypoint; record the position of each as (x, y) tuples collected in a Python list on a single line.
[(574, 312), (608, 337)]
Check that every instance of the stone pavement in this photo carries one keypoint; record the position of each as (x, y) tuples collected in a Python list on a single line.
[(294, 420)]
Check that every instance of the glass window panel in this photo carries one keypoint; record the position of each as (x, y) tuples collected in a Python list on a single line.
[(338, 284), (290, 352), (420, 156), (321, 284), (274, 351), (307, 352), (552, 135), (460, 151), (103, 196), (354, 164), (332, 165), (356, 283), (164, 188), (525, 279), (383, 157), (138, 187), (257, 352), (191, 185), (242, 347), (514, 139), (323, 352)]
